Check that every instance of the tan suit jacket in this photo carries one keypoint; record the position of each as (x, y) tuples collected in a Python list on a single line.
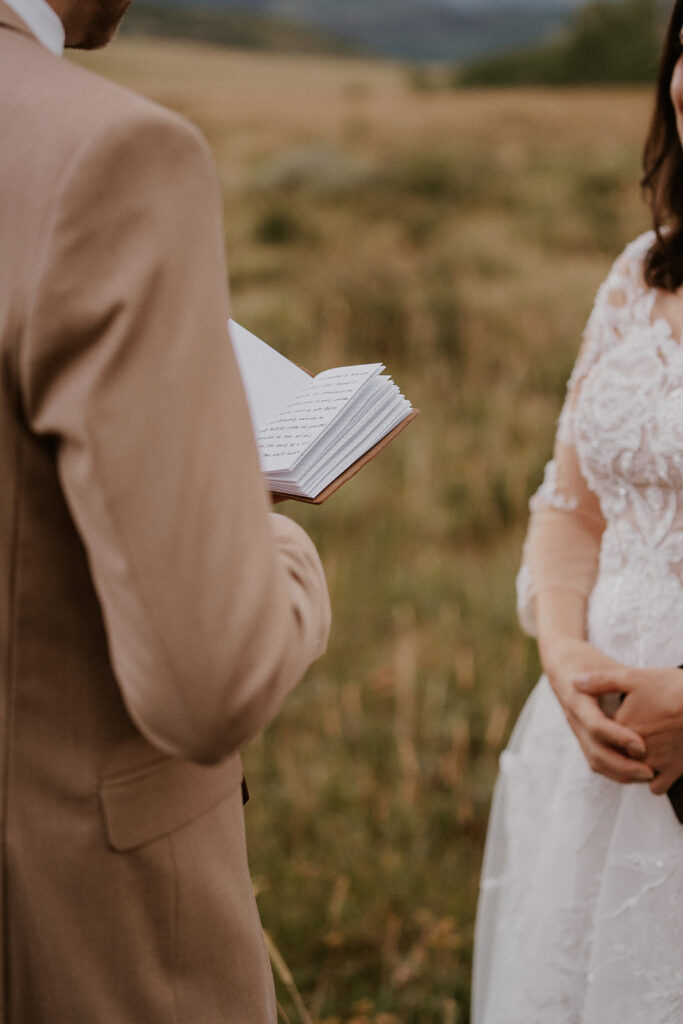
[(153, 615)]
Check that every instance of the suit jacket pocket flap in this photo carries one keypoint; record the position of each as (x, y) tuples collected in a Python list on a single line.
[(154, 801)]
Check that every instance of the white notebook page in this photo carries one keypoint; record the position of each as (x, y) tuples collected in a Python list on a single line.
[(271, 381), (287, 437)]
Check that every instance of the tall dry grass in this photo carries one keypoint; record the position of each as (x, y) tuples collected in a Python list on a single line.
[(459, 237)]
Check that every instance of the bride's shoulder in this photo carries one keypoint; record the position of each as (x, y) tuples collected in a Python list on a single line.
[(628, 266), (616, 303), (615, 309), (625, 281), (639, 247)]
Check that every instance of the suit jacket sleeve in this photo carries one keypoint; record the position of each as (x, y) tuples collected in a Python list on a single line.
[(213, 607)]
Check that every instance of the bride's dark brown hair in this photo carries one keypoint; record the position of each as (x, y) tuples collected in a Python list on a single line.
[(662, 180)]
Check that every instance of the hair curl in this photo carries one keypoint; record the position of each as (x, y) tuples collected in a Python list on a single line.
[(662, 180)]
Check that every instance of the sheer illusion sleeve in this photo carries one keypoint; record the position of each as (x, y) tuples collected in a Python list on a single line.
[(562, 546)]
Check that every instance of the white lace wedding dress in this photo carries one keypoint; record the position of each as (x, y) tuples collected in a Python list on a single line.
[(580, 918)]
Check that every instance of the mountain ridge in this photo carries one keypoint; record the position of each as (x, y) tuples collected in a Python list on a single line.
[(418, 30)]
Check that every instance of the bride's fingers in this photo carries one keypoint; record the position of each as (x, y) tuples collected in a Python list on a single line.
[(614, 765), (609, 733), (661, 783), (606, 731), (629, 777), (601, 681), (665, 775)]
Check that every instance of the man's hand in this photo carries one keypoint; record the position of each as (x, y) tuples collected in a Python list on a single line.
[(652, 706), (612, 747)]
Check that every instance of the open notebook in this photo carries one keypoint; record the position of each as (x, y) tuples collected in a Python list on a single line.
[(313, 433)]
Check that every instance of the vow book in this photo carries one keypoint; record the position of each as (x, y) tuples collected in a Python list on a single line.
[(313, 433)]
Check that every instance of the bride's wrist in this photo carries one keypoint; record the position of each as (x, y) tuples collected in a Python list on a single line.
[(554, 653)]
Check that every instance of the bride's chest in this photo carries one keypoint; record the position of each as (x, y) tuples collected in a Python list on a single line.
[(629, 415)]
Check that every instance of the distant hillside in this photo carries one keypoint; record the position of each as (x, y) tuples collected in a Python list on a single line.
[(425, 29), (615, 42), (406, 29), (242, 29)]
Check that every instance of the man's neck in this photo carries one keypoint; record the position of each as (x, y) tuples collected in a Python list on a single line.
[(43, 21)]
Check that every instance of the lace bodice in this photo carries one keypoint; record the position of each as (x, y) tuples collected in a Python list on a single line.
[(617, 471)]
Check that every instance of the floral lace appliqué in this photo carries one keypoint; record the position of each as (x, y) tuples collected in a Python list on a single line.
[(549, 494)]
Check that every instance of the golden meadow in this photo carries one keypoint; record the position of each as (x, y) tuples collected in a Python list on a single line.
[(459, 236)]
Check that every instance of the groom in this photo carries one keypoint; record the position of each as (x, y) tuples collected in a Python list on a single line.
[(153, 614)]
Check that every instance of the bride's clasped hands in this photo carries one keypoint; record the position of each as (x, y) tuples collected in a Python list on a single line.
[(611, 747), (651, 708)]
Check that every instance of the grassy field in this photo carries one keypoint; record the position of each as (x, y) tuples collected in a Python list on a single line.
[(460, 237)]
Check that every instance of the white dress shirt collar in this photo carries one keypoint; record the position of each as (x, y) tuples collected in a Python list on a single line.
[(43, 22)]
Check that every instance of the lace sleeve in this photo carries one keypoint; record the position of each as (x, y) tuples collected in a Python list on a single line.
[(562, 545)]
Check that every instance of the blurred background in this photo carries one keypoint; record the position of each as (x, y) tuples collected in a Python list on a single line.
[(441, 185)]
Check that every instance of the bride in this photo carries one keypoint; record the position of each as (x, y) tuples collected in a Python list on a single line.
[(580, 917)]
